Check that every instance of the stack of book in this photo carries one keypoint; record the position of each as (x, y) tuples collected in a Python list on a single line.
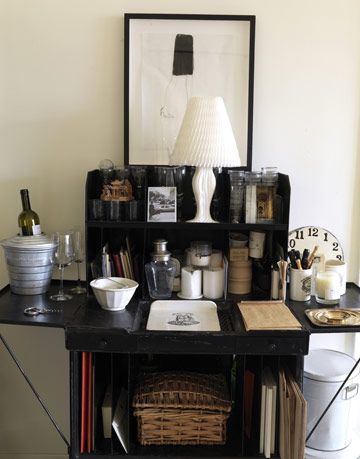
[(119, 263)]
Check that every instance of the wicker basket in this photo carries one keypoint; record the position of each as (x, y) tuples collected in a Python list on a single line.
[(176, 408)]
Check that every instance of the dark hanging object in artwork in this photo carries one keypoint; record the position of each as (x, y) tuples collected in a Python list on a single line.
[(183, 63)]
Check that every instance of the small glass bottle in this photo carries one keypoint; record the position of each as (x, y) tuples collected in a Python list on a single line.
[(237, 189), (160, 271), (252, 180), (266, 195)]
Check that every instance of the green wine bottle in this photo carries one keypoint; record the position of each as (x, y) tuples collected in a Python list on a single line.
[(28, 220)]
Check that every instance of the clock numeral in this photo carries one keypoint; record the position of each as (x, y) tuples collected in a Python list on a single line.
[(325, 237), (299, 234), (313, 232), (292, 243), (339, 257), (335, 246)]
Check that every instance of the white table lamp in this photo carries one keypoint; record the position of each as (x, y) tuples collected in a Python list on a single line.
[(205, 140)]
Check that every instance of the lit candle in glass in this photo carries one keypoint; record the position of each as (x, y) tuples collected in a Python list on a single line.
[(327, 287)]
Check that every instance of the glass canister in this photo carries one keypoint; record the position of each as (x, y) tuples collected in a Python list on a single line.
[(237, 191), (252, 181), (160, 271), (266, 195)]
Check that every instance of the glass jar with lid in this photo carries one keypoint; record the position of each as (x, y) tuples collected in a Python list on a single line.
[(252, 181), (237, 191), (160, 271), (266, 195)]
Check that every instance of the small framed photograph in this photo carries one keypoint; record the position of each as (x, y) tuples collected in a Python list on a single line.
[(161, 204)]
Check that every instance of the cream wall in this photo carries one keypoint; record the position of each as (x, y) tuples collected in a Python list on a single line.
[(61, 104)]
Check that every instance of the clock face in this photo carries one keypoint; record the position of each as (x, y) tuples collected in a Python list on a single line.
[(307, 237)]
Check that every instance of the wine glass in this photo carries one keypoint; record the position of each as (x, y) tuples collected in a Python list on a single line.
[(79, 258), (64, 256)]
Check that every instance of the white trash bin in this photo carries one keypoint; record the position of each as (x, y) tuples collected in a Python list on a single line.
[(324, 372)]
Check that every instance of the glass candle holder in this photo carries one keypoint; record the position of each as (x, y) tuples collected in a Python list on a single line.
[(327, 287)]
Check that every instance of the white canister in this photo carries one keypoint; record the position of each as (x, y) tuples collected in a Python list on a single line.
[(190, 283), (339, 267), (256, 244), (300, 284), (324, 372), (201, 253), (213, 283)]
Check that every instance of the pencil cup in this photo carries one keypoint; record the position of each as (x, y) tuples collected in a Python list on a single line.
[(300, 284)]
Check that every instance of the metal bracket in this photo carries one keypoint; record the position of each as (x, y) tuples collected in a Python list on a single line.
[(7, 347)]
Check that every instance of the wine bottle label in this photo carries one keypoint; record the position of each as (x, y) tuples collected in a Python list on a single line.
[(36, 229), (332, 293)]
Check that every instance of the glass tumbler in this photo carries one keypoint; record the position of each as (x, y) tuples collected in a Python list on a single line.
[(237, 191)]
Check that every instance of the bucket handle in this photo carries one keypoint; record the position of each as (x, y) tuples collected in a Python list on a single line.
[(350, 391)]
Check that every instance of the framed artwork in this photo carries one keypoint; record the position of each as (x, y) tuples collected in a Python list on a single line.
[(161, 204), (170, 58)]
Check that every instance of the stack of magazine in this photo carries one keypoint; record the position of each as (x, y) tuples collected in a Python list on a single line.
[(293, 412)]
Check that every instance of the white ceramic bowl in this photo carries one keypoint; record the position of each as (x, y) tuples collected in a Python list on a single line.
[(110, 294)]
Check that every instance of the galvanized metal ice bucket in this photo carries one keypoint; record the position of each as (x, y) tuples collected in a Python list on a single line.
[(30, 261)]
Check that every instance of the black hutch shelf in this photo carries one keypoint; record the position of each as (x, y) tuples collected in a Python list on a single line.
[(122, 347)]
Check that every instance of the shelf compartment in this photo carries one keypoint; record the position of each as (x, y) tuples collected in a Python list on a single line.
[(146, 364), (124, 370)]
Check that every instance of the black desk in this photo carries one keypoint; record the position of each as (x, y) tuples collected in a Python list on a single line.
[(89, 328)]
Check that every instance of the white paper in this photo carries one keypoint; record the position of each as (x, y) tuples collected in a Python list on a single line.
[(119, 423)]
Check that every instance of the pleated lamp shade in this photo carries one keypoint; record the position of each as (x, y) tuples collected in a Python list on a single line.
[(206, 138)]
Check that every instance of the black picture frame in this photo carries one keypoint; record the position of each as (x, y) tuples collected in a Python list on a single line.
[(161, 204), (132, 125)]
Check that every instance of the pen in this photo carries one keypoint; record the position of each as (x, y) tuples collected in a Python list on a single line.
[(297, 260), (305, 258), (292, 259)]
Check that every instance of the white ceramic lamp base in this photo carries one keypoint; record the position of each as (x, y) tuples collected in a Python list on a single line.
[(203, 184)]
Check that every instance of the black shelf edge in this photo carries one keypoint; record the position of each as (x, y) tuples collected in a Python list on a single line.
[(221, 226), (152, 456)]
